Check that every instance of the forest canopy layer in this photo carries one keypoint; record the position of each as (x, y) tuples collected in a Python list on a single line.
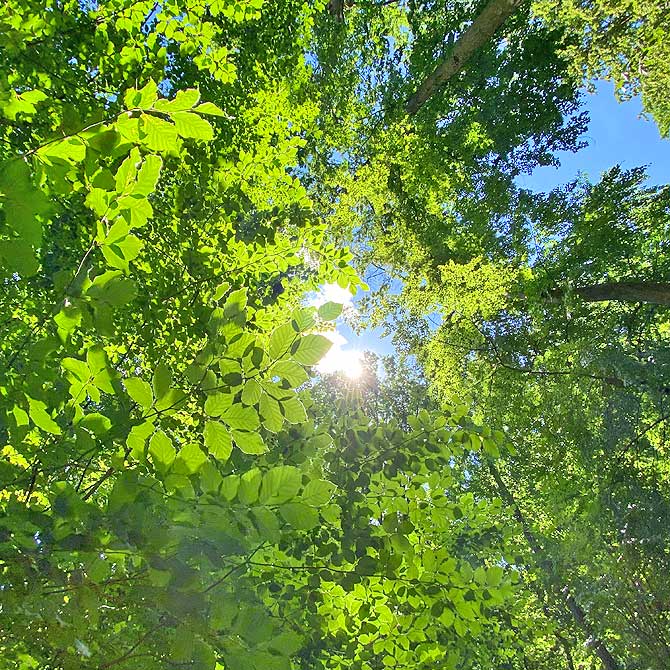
[(181, 487)]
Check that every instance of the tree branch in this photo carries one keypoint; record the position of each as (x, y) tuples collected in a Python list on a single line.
[(578, 615), (480, 31), (130, 651), (94, 487), (624, 291)]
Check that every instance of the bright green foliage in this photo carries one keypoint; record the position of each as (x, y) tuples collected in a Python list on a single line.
[(481, 281), (174, 178), (166, 500), (580, 385), (625, 41)]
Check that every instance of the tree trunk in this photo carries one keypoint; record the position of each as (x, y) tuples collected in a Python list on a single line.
[(336, 10), (480, 31), (625, 291), (578, 614)]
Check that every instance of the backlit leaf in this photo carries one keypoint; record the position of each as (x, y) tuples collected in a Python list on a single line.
[(271, 413), (162, 380), (139, 391), (299, 516), (191, 125), (280, 484), (161, 451), (318, 492), (251, 393), (310, 349), (329, 311), (40, 417), (218, 440), (293, 410), (189, 459), (249, 443), (209, 108)]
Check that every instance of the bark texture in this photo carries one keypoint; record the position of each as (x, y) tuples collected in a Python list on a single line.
[(336, 10), (626, 291), (477, 35)]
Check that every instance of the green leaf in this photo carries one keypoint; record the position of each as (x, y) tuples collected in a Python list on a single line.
[(96, 359), (125, 175), (310, 349), (99, 201), (21, 103), (292, 372), (143, 98), (39, 416), (220, 291), (67, 320), (281, 340), (230, 485), (130, 246), (367, 566), (117, 232), (78, 368), (137, 210), (71, 150), (280, 485), (210, 479), (218, 440), (302, 319), (112, 288), (251, 393), (447, 617), (249, 485), (192, 126), (270, 412), (293, 410), (235, 306), (161, 451), (162, 380), (22, 202), (183, 100), (267, 524), (97, 423), (139, 391), (286, 643), (189, 459), (209, 108), (494, 575), (249, 443), (241, 418), (464, 610), (490, 447), (159, 135), (400, 543), (137, 439), (148, 174), (19, 256), (329, 311), (119, 254), (218, 403), (171, 401), (318, 492), (299, 516), (20, 416)]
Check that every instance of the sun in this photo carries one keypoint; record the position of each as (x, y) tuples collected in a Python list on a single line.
[(348, 362), (352, 363)]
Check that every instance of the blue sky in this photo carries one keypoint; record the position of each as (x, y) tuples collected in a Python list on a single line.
[(617, 134)]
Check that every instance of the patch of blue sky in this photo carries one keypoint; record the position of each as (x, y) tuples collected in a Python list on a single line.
[(618, 134)]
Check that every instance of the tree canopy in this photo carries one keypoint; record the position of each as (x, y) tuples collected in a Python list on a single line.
[(181, 487)]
